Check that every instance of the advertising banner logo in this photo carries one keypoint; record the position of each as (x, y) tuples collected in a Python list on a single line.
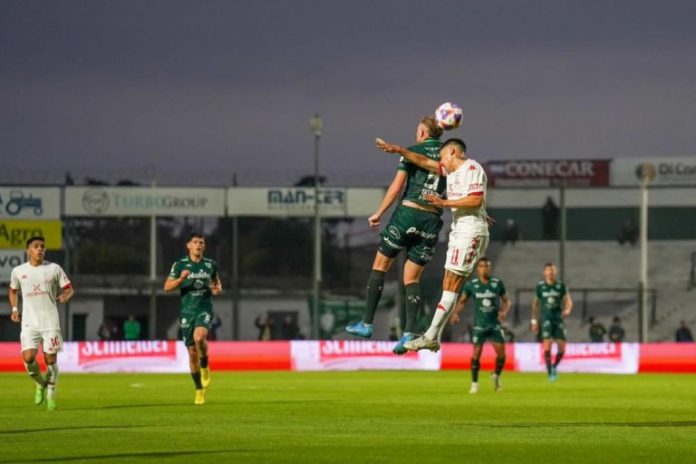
[(30, 202), (14, 234), (548, 173)]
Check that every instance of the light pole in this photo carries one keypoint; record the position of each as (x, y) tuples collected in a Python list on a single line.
[(646, 173), (315, 124)]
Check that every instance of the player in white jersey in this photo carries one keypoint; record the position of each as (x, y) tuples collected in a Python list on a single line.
[(40, 283), (468, 239)]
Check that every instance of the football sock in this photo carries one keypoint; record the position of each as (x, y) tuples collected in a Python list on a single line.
[(499, 364), (204, 362), (442, 314), (196, 376), (375, 285), (51, 378), (559, 356), (475, 366), (547, 358), (413, 299), (34, 372)]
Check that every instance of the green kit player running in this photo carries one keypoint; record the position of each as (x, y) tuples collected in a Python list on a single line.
[(552, 299), (414, 226), (197, 279), (491, 305)]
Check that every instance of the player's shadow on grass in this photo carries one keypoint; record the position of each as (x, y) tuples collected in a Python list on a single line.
[(61, 429), (155, 454), (187, 404), (584, 424)]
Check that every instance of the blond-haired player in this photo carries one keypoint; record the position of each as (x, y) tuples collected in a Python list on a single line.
[(468, 239)]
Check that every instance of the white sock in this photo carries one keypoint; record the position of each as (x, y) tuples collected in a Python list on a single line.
[(442, 314), (34, 372), (51, 377)]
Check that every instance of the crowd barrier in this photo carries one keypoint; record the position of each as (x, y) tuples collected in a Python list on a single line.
[(172, 356)]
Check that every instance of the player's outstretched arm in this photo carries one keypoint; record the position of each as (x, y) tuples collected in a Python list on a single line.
[(419, 160), (393, 193), (469, 201)]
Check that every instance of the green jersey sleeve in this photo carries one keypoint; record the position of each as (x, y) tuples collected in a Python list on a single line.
[(468, 291), (175, 270), (537, 291)]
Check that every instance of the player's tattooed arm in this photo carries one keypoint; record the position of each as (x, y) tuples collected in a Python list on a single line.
[(393, 193), (458, 309), (505, 308), (14, 301), (419, 160), (172, 283), (535, 314), (567, 304)]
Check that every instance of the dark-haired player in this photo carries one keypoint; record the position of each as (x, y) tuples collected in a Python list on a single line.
[(553, 303), (197, 279), (414, 227), (468, 239), (42, 284), (491, 305)]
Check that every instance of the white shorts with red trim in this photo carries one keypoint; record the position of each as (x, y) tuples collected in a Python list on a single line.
[(31, 339), (464, 250)]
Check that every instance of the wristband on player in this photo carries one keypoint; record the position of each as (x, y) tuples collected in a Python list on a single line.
[(14, 309), (534, 321)]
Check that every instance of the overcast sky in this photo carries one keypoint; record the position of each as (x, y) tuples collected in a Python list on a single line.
[(219, 87)]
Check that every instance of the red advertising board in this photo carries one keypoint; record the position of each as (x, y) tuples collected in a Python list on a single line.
[(170, 356), (548, 173)]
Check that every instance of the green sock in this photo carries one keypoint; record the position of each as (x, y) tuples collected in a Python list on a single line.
[(375, 285), (475, 366), (204, 362), (499, 364), (196, 376), (413, 301)]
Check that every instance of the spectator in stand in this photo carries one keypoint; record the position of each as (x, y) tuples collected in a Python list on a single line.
[(549, 214), (290, 328), (107, 331), (131, 328), (616, 331), (597, 331), (264, 324), (683, 334), (511, 233), (628, 232)]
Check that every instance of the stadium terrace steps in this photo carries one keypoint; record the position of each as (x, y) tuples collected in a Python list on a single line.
[(593, 264)]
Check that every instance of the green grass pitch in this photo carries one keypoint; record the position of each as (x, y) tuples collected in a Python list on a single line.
[(354, 417)]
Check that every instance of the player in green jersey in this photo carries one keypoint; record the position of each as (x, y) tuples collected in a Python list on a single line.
[(553, 303), (197, 279), (414, 227), (491, 305)]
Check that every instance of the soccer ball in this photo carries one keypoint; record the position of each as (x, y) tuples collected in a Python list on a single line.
[(448, 115)]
